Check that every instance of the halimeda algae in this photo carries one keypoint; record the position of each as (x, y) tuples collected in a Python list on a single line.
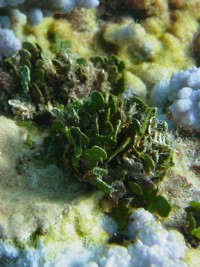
[(99, 133)]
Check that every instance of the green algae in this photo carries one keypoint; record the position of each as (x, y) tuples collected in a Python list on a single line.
[(112, 143), (193, 220)]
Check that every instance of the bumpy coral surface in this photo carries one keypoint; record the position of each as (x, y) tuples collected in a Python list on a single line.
[(9, 44), (11, 12), (35, 10), (181, 96), (152, 245)]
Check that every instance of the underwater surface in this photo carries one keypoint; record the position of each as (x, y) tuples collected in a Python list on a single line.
[(99, 133)]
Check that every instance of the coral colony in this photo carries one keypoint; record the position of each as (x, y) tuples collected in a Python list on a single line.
[(180, 96), (89, 135), (34, 11)]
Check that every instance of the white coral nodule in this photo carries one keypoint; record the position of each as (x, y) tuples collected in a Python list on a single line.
[(9, 43), (181, 95)]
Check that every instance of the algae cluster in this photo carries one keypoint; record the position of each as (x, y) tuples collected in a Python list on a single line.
[(101, 136)]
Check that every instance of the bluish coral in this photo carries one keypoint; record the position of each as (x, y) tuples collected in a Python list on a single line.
[(180, 98), (9, 44)]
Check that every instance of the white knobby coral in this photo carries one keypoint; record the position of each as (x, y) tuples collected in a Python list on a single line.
[(131, 36), (9, 43), (153, 246), (35, 9), (34, 16), (181, 95)]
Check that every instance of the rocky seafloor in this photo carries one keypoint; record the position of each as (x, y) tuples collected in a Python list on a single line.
[(49, 219)]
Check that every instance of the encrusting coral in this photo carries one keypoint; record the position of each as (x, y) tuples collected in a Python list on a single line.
[(164, 44), (34, 11)]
